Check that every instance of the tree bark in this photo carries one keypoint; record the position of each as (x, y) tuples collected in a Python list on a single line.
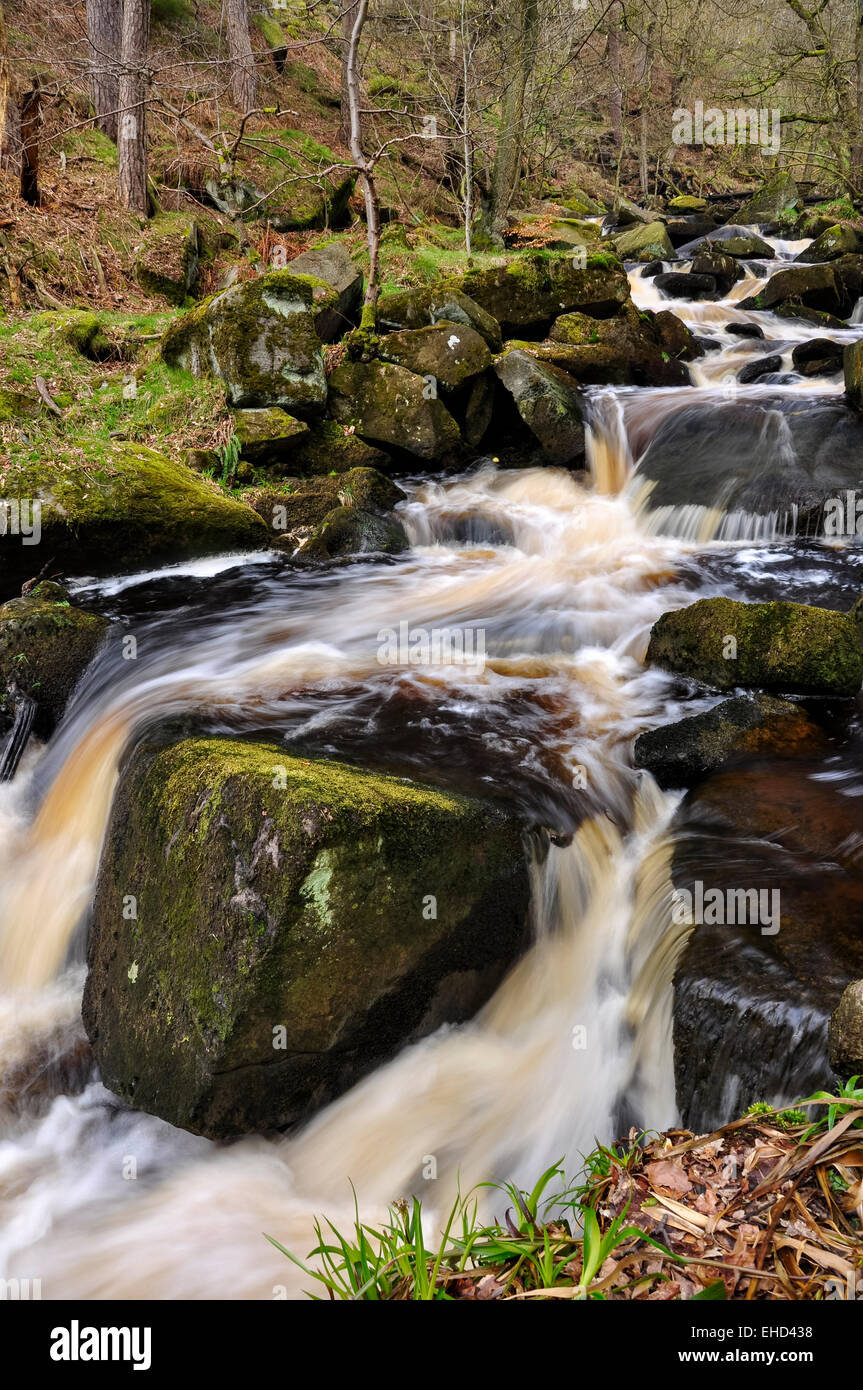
[(616, 99), (506, 169), (349, 8), (244, 79), (104, 36), (4, 77), (363, 164), (857, 145), (31, 117), (132, 129)]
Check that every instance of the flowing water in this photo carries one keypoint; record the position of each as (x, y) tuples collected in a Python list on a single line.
[(565, 575)]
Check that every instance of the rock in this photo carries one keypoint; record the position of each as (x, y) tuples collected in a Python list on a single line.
[(579, 202), (764, 457), (724, 270), (549, 403), (764, 366), (687, 286), (332, 448), (778, 198), (16, 406), (626, 213), (528, 293), (332, 264), (418, 308), (736, 241), (819, 287), (684, 203), (845, 1033), (789, 648), (675, 338), (78, 328), (268, 435), (352, 531), (852, 367), (553, 233), (46, 644), (293, 511), (285, 942), (683, 753), (133, 509), (818, 357), (390, 405), (258, 338), (744, 330), (644, 243), (449, 353), (630, 350), (167, 260), (751, 1006), (479, 410), (682, 230), (836, 241)]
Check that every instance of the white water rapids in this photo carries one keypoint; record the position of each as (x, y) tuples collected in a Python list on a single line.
[(567, 590)]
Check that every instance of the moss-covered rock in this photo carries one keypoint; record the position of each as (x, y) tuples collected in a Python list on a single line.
[(267, 436), (852, 367), (449, 353), (285, 941), (417, 308), (45, 646), (332, 265), (17, 405), (80, 329), (778, 198), (258, 338), (548, 401), (167, 260), (393, 406), (675, 338), (294, 510), (528, 293), (333, 448), (845, 1033), (821, 287), (624, 351), (134, 508), (686, 203), (784, 647), (680, 754), (836, 241), (649, 242), (350, 530)]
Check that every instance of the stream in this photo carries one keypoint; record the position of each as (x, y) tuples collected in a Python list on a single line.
[(565, 574)]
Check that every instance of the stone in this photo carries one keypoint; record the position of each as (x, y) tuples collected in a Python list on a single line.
[(845, 1033), (549, 403), (268, 435), (418, 308), (644, 243), (332, 265), (46, 644), (392, 406), (528, 293), (168, 258), (776, 201), (448, 353)]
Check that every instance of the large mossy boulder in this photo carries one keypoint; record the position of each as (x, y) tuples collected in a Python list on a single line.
[(838, 240), (529, 292), (293, 511), (296, 923), (548, 401), (392, 406), (329, 447), (448, 353), (332, 265), (852, 368), (259, 338), (774, 203), (168, 258), (350, 530), (629, 350), (648, 242), (132, 509), (828, 288), (46, 644), (682, 753), (421, 307), (268, 435), (783, 647)]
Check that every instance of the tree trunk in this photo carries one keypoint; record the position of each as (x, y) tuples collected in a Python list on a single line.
[(244, 81), (364, 165), (132, 130), (4, 78), (31, 117), (104, 36), (857, 145), (616, 99), (508, 155), (349, 8)]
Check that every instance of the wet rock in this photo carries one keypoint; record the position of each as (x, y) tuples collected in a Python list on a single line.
[(528, 293), (644, 243), (836, 241), (774, 203), (167, 261), (418, 308), (329, 447), (626, 213), (733, 240), (633, 349), (285, 943), (450, 354), (298, 506), (479, 409), (258, 338), (821, 287), (790, 648), (724, 270), (46, 644), (685, 229), (349, 530), (675, 338), (267, 436), (390, 405), (686, 286), (845, 1033), (852, 367), (131, 509), (818, 357), (754, 371), (548, 401), (753, 996), (744, 330), (683, 753), (332, 265)]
